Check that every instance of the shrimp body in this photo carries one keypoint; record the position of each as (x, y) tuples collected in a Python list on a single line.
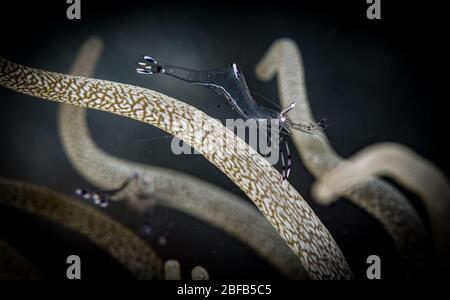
[(227, 81), (230, 82)]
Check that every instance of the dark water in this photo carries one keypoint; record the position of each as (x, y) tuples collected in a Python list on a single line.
[(379, 80)]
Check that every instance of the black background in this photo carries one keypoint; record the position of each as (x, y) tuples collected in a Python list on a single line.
[(381, 80)]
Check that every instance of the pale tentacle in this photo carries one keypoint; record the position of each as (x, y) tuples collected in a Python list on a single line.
[(199, 273), (282, 205), (172, 270), (122, 244), (172, 189), (409, 170), (377, 197)]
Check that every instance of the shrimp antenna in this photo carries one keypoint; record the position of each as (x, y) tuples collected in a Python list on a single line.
[(267, 99)]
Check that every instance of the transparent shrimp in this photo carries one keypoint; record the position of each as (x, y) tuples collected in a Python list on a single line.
[(230, 82)]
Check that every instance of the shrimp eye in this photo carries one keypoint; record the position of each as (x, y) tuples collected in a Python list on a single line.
[(236, 71)]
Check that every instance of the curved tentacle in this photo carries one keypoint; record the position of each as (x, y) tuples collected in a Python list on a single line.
[(283, 206), (172, 189), (408, 169), (377, 197)]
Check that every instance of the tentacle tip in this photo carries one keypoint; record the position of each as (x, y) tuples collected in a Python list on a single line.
[(322, 195), (199, 273)]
